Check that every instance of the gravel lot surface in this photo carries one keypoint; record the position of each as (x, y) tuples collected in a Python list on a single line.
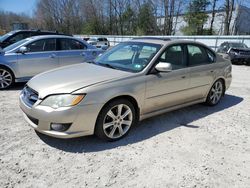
[(197, 146)]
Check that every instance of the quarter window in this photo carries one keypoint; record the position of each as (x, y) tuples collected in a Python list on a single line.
[(69, 44), (42, 45), (197, 55), (174, 56), (211, 56)]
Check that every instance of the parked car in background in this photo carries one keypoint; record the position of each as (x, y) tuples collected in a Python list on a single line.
[(99, 42), (238, 52), (17, 35), (132, 81), (28, 57), (86, 38)]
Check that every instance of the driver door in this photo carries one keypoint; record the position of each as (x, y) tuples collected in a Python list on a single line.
[(167, 89), (41, 56)]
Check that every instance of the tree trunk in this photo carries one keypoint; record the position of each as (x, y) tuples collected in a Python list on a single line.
[(213, 15)]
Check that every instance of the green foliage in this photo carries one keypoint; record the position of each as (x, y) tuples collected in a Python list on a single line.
[(196, 17), (146, 20), (128, 19)]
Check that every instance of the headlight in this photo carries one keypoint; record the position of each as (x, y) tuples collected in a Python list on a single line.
[(66, 100)]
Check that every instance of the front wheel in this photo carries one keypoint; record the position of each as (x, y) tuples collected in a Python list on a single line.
[(115, 120), (6, 78), (215, 93)]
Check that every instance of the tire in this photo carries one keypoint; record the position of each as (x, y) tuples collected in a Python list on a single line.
[(6, 78), (215, 93), (115, 120)]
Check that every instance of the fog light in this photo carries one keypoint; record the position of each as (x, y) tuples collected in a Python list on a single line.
[(60, 126)]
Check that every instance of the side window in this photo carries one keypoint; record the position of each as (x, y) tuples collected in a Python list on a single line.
[(174, 56), (69, 44), (42, 45), (197, 55)]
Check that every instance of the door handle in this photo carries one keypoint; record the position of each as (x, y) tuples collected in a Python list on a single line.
[(183, 77), (52, 56)]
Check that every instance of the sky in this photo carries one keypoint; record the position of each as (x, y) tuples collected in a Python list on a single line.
[(18, 6), (28, 6)]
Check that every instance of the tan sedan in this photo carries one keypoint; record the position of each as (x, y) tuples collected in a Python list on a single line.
[(130, 82)]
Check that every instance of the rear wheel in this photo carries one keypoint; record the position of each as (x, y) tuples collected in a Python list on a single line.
[(215, 93), (115, 120), (6, 78)]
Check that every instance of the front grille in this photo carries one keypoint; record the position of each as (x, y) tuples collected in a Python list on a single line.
[(244, 52), (29, 96)]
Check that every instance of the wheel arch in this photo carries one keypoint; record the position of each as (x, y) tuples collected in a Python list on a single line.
[(223, 82), (127, 97), (9, 68)]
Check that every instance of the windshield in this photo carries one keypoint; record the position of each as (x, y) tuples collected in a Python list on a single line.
[(237, 45), (129, 56), (4, 37), (93, 39), (13, 46)]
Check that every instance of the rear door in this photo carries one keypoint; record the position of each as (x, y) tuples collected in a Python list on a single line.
[(41, 56), (202, 70), (71, 51)]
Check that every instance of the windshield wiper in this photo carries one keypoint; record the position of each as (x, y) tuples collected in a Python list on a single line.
[(91, 62), (102, 64), (107, 65)]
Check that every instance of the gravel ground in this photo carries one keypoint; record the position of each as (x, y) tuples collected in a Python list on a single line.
[(197, 146)]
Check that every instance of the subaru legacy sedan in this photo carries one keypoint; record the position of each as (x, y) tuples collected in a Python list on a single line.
[(130, 82), (26, 58)]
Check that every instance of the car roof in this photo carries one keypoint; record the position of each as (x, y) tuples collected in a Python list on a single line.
[(51, 36), (166, 41)]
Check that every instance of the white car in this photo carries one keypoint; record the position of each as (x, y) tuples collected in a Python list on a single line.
[(99, 42)]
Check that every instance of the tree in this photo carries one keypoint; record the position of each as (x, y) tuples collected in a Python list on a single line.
[(170, 11), (61, 15), (129, 21), (213, 16), (146, 20), (8, 18), (229, 7), (196, 17)]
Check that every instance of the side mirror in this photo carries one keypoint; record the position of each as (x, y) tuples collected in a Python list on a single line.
[(163, 67), (23, 49)]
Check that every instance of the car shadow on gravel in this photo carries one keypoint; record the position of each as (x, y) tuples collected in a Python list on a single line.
[(145, 129), (17, 86)]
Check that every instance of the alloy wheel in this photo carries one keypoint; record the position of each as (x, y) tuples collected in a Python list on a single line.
[(216, 92), (117, 121), (6, 78)]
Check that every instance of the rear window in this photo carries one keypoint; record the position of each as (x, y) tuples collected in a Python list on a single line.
[(70, 44), (197, 55)]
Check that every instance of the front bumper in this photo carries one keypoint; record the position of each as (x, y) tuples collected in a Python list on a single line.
[(240, 58), (83, 119)]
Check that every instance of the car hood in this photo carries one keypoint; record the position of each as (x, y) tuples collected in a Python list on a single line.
[(71, 78)]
